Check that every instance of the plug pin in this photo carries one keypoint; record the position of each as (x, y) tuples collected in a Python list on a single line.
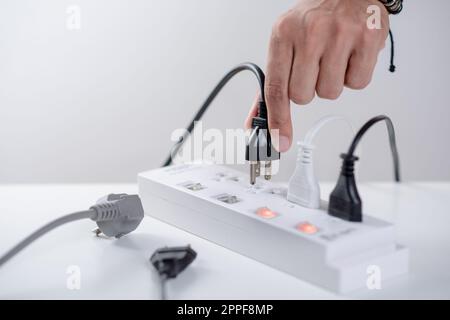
[(255, 169), (268, 170), (97, 232)]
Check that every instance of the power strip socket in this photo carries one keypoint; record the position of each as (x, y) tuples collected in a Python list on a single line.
[(219, 205)]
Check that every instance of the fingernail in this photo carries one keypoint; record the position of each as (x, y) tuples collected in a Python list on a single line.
[(283, 144), (280, 143)]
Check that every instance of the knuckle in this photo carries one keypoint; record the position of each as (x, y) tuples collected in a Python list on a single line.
[(278, 120), (315, 25), (357, 83), (282, 27), (370, 37), (346, 26), (329, 93), (312, 39), (274, 92), (301, 98), (373, 38)]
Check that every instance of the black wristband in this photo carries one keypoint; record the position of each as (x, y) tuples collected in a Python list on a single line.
[(393, 6)]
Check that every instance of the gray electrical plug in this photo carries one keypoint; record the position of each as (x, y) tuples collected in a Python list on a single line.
[(118, 214)]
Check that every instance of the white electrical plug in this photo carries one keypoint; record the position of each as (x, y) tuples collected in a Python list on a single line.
[(303, 186)]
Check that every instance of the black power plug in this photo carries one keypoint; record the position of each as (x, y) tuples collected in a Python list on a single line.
[(259, 146), (345, 202), (172, 261)]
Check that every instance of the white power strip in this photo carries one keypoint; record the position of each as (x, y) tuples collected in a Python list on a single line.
[(218, 204)]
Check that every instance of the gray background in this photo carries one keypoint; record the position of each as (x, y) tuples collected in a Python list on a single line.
[(100, 103)]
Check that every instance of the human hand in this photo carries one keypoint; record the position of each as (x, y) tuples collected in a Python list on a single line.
[(319, 46)]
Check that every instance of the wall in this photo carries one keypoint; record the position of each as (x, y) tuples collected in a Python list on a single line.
[(99, 103)]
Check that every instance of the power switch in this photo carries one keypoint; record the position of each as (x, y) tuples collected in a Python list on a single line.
[(307, 228), (266, 213)]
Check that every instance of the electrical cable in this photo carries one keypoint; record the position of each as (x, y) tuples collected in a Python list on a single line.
[(43, 230), (262, 105), (345, 202), (115, 214), (311, 134), (392, 141), (163, 283)]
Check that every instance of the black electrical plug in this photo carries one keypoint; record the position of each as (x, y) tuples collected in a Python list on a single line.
[(169, 262), (259, 146), (345, 202)]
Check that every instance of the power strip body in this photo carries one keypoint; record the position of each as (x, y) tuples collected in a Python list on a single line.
[(218, 204)]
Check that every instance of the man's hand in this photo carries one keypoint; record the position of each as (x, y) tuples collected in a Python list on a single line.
[(319, 46)]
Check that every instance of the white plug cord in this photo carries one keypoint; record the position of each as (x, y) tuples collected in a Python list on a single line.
[(303, 186), (312, 133)]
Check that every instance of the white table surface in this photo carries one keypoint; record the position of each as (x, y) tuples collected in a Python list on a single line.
[(119, 269)]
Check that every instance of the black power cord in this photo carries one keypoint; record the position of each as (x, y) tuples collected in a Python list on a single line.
[(345, 202), (259, 148), (230, 74)]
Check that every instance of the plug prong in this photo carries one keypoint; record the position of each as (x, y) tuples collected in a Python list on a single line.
[(254, 171), (97, 232), (268, 170)]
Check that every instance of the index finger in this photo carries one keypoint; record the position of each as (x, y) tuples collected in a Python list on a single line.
[(277, 88)]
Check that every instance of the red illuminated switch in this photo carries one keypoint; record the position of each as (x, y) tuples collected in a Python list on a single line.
[(266, 213), (307, 228)]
